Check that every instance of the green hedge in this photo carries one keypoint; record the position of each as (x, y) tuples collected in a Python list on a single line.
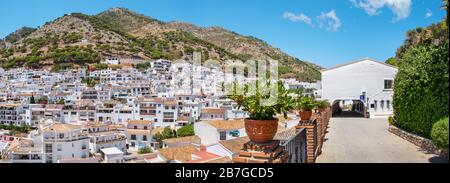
[(439, 133), (421, 88)]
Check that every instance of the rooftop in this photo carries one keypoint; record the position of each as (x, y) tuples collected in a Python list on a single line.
[(235, 145), (190, 139), (60, 127), (139, 122), (111, 151), (183, 153), (136, 132), (213, 111), (227, 124)]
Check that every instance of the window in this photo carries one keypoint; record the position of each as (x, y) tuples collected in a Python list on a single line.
[(48, 148), (133, 137), (223, 136), (144, 138), (388, 83), (135, 127), (145, 127), (388, 104), (59, 147), (382, 104), (375, 104)]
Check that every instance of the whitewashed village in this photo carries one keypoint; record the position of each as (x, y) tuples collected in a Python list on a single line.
[(58, 117), (122, 87)]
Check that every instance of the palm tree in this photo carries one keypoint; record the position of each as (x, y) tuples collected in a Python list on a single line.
[(445, 7)]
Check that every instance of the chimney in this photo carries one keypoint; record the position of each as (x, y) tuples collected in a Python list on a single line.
[(202, 148)]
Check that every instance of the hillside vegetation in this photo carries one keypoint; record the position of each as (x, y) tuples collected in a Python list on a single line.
[(77, 39)]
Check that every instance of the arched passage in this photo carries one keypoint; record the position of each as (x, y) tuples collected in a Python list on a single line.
[(348, 108)]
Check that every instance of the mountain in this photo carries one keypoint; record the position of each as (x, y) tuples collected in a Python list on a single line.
[(78, 39)]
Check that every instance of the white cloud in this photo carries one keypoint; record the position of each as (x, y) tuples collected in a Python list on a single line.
[(329, 21), (297, 18), (429, 13), (400, 8)]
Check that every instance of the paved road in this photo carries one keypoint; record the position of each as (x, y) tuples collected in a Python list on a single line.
[(360, 140)]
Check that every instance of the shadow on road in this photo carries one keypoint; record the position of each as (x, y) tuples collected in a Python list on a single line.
[(438, 159), (347, 114)]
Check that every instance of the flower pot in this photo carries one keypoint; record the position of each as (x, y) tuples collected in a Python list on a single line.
[(261, 131), (305, 115)]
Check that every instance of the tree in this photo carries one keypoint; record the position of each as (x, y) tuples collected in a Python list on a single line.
[(156, 54), (392, 61), (62, 102), (186, 131), (32, 100), (43, 100), (167, 133)]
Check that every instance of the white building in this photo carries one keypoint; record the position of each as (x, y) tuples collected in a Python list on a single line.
[(112, 61), (139, 134), (211, 132), (12, 114), (112, 155), (367, 83), (65, 141)]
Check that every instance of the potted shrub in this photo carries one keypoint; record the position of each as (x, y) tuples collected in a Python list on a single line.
[(262, 124), (322, 105), (305, 105)]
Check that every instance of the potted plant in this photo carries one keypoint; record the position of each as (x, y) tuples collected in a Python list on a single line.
[(305, 105), (322, 105), (262, 124)]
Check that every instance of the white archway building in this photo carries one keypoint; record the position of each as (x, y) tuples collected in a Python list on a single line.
[(367, 80)]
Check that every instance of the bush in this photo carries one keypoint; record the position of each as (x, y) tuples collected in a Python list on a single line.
[(439, 133), (421, 88), (391, 120), (145, 150), (186, 131)]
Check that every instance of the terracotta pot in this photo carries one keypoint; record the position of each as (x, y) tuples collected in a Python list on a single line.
[(305, 115), (261, 131)]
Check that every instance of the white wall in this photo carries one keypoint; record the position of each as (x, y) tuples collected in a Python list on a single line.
[(219, 150), (349, 81), (208, 134)]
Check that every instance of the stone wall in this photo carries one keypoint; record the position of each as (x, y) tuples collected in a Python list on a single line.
[(423, 143)]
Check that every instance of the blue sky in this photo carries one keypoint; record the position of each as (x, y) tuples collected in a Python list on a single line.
[(325, 32)]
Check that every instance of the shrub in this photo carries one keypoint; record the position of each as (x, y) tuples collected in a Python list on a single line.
[(439, 133), (391, 120), (421, 88), (322, 104), (145, 150), (186, 131)]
